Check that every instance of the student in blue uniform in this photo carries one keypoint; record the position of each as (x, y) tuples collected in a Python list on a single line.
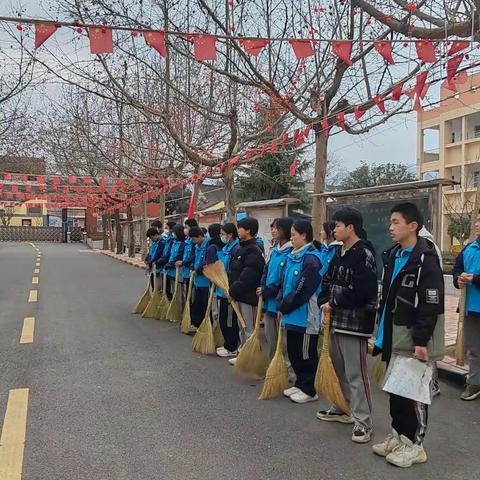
[(168, 239), (201, 283), (176, 255), (272, 278), (153, 236), (227, 317), (297, 302), (188, 255)]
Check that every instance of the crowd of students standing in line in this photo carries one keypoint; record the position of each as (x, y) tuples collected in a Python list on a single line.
[(302, 275)]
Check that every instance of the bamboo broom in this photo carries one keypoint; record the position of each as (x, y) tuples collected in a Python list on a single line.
[(326, 380), (143, 302), (379, 368), (162, 307), (218, 335), (186, 319), (203, 341), (276, 377), (460, 344), (152, 306), (216, 273), (253, 359), (174, 311)]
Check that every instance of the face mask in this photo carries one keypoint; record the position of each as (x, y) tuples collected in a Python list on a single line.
[(224, 239)]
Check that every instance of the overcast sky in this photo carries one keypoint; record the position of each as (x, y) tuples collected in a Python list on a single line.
[(394, 141)]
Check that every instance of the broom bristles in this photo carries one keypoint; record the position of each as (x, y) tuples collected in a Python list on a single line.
[(253, 360), (460, 343), (326, 380), (276, 377), (218, 336), (203, 341), (151, 308), (143, 302), (378, 371), (174, 311), (186, 319)]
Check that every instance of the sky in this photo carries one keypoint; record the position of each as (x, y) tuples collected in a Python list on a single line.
[(394, 141)]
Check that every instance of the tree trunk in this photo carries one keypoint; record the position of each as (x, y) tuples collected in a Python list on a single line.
[(111, 234), (196, 194), (230, 202), (105, 245), (131, 232), (319, 203), (162, 207), (118, 233), (143, 230)]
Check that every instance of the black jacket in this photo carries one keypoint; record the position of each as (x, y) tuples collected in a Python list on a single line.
[(415, 298), (246, 269), (350, 286)]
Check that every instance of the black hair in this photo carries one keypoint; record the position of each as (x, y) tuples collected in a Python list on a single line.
[(285, 225), (179, 233), (249, 223), (230, 228), (156, 224), (328, 228), (351, 216), (214, 230), (304, 226), (191, 222), (204, 230), (151, 232), (410, 212), (196, 232), (171, 224)]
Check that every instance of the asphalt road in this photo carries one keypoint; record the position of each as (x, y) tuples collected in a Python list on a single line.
[(115, 396)]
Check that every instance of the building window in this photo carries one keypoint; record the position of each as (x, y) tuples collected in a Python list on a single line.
[(476, 131), (26, 222), (34, 210), (474, 180)]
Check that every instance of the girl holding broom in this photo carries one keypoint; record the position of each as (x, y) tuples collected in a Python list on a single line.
[(297, 302), (227, 317), (272, 277), (176, 255)]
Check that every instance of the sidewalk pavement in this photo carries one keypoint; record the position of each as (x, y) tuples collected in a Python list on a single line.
[(447, 365)]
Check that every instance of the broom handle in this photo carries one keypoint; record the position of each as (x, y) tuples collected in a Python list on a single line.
[(258, 318), (278, 350), (155, 282), (210, 300), (177, 275), (460, 352), (326, 329), (236, 307), (190, 286), (164, 282)]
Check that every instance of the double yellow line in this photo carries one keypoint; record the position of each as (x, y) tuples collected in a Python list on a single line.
[(12, 439)]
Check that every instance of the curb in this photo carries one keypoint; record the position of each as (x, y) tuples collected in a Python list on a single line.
[(449, 370), (127, 260)]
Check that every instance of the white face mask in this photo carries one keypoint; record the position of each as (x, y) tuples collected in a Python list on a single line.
[(224, 239)]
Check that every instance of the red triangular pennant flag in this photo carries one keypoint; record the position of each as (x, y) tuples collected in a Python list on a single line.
[(424, 91), (397, 92), (340, 117), (380, 103), (342, 50), (452, 66), (253, 46), (100, 40), (191, 206), (450, 85), (359, 113), (425, 51), (384, 48), (205, 46), (285, 140), (293, 168), (417, 106), (458, 46), (301, 48), (325, 127), (7, 176), (72, 179), (43, 31), (420, 82), (274, 146), (156, 39), (461, 78), (410, 93)]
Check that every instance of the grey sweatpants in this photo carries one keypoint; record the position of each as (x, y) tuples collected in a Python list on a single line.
[(249, 313), (349, 357), (472, 342)]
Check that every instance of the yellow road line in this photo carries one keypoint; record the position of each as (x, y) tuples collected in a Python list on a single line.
[(12, 442), (35, 280), (32, 297), (37, 270), (27, 330)]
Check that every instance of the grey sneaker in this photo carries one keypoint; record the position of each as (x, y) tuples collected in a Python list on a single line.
[(332, 415), (361, 434), (471, 392)]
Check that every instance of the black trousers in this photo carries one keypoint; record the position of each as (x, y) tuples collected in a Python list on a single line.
[(303, 355), (228, 325), (409, 417), (170, 286), (199, 305)]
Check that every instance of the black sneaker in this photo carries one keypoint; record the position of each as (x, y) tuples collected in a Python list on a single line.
[(332, 415), (471, 392), (361, 434), (435, 388)]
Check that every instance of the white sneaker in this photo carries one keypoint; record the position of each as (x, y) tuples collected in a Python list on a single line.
[(290, 391), (361, 434), (388, 445), (224, 353), (407, 453), (192, 329), (332, 415), (232, 361), (301, 397)]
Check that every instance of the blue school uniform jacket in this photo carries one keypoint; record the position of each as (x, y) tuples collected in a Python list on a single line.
[(176, 254), (297, 298), (200, 254), (272, 276), (225, 256), (188, 257), (468, 261)]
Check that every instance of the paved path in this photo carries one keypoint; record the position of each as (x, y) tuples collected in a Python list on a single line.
[(115, 396)]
